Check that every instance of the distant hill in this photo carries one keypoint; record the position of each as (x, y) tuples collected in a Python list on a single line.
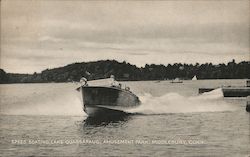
[(126, 71)]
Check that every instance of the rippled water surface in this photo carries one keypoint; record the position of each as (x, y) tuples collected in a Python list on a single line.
[(173, 120)]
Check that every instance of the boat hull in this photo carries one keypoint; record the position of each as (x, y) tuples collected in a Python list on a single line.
[(99, 100), (177, 82), (97, 111)]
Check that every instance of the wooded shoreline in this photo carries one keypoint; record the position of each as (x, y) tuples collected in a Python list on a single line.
[(127, 72)]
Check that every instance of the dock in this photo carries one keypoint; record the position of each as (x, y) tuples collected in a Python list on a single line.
[(236, 91), (248, 104), (231, 91)]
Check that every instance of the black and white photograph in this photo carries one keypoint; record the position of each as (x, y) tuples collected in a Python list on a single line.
[(96, 78)]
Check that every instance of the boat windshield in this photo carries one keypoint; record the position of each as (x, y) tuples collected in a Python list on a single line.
[(104, 82)]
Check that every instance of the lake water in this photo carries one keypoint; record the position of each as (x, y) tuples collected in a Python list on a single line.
[(173, 120)]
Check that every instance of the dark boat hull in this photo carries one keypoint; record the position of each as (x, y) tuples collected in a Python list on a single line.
[(177, 82), (100, 100), (97, 111)]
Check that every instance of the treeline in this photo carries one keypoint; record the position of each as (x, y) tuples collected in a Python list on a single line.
[(126, 71)]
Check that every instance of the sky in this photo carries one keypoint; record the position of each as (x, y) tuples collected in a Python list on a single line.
[(41, 34)]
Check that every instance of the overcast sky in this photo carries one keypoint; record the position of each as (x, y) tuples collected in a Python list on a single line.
[(41, 34)]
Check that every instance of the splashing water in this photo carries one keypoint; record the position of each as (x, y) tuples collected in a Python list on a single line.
[(175, 103), (67, 101), (59, 101)]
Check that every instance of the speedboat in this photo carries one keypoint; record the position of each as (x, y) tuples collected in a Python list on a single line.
[(105, 97), (176, 80)]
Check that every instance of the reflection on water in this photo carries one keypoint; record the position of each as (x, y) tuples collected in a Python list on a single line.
[(106, 120)]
